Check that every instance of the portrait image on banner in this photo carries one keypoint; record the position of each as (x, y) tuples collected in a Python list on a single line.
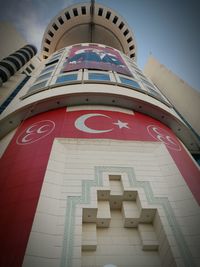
[(94, 57)]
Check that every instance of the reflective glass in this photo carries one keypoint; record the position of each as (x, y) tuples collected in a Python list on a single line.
[(37, 86), (44, 76), (67, 78), (129, 82), (48, 69), (98, 76)]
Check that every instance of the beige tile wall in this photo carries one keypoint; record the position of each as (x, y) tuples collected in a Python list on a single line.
[(72, 161), (120, 246)]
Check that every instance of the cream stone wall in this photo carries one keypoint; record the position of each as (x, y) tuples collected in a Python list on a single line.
[(113, 202), (60, 91), (7, 88), (11, 40), (4, 142), (184, 98)]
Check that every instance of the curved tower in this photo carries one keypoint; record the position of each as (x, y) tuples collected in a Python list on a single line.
[(11, 64), (96, 168)]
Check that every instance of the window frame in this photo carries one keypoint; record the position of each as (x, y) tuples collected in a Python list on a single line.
[(65, 76), (47, 69), (78, 80), (30, 90), (39, 78), (52, 62), (147, 83), (107, 73), (99, 76), (120, 83)]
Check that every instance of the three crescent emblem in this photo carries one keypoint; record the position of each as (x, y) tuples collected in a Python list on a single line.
[(35, 132), (163, 136)]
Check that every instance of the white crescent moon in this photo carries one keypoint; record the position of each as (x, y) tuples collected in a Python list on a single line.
[(80, 123), (25, 140)]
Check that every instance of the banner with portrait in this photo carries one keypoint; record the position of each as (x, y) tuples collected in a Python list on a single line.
[(95, 57)]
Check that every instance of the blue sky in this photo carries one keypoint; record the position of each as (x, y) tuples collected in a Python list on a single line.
[(169, 30)]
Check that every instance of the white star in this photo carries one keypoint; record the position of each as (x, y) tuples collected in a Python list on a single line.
[(121, 124)]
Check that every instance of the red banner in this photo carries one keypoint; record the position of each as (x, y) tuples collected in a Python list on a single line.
[(23, 165), (95, 58)]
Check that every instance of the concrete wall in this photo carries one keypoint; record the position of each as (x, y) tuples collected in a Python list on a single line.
[(11, 40), (119, 202), (7, 88), (184, 98)]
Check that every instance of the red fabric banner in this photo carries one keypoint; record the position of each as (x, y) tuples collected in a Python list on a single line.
[(95, 58), (23, 165)]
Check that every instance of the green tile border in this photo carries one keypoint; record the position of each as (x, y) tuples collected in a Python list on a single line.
[(66, 257)]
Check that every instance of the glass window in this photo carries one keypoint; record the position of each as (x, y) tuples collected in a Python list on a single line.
[(129, 82), (140, 73), (67, 78), (48, 69), (44, 76), (28, 70), (13, 94), (52, 62), (154, 93), (32, 67), (55, 57), (37, 86), (147, 82), (98, 76)]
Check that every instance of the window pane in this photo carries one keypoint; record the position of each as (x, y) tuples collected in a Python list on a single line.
[(55, 57), (44, 76), (129, 82), (37, 86), (147, 82), (52, 62), (98, 76), (140, 74), (67, 78), (28, 70), (154, 93), (48, 69), (32, 67)]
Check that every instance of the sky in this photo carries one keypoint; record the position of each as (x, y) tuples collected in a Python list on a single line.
[(168, 30)]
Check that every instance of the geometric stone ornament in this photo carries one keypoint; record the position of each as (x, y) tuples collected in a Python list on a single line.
[(134, 215), (148, 237), (146, 215), (89, 237)]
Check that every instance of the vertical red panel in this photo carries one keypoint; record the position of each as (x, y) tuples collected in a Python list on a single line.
[(23, 166)]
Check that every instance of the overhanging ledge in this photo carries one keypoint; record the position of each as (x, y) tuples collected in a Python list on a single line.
[(97, 97)]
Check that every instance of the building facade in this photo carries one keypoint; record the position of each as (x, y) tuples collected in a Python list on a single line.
[(17, 62), (96, 165), (184, 99)]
